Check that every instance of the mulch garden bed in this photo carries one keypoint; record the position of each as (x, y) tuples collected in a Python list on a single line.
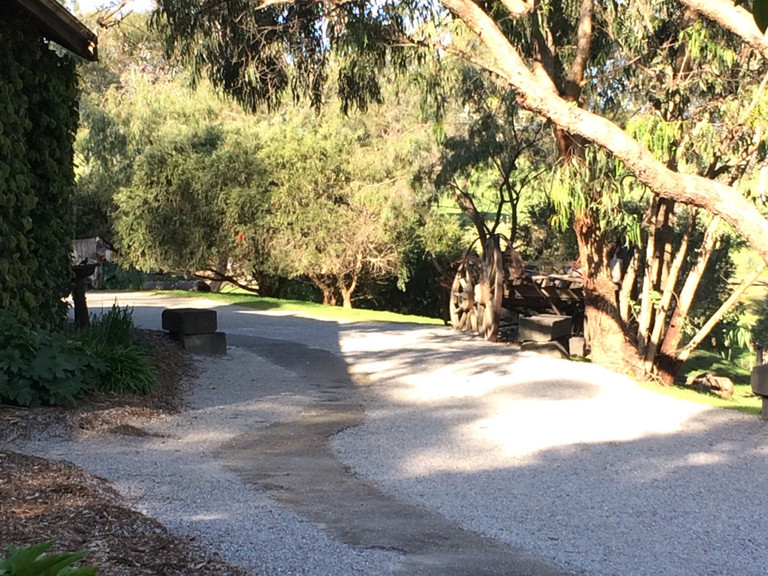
[(44, 500)]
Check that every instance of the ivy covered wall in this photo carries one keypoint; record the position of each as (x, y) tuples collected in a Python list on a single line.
[(38, 120)]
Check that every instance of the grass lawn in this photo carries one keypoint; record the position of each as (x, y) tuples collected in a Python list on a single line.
[(242, 298), (701, 361)]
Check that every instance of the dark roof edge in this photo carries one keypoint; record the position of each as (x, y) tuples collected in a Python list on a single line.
[(59, 25)]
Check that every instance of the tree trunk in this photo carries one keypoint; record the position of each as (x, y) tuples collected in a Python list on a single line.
[(537, 96), (668, 284), (346, 293), (327, 288), (627, 285), (221, 272), (664, 238), (329, 296), (649, 270), (608, 342), (667, 364), (717, 316)]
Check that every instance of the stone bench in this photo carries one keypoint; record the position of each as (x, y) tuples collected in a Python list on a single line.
[(195, 328), (547, 334)]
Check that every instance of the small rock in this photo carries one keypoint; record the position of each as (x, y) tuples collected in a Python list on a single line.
[(721, 386)]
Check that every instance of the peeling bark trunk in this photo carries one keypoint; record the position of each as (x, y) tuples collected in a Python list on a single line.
[(627, 285), (608, 341), (644, 321), (660, 320), (664, 237), (668, 365)]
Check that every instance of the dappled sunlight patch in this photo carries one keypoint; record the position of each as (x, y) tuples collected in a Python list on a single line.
[(704, 459), (294, 314), (527, 427), (209, 517)]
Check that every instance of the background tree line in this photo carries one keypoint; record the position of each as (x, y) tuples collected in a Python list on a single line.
[(354, 202)]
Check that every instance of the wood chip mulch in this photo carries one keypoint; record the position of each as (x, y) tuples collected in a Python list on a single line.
[(44, 500)]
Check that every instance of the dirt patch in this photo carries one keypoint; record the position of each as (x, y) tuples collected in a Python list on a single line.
[(47, 500)]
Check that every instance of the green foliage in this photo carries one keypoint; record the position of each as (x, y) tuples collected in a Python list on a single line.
[(341, 208), (191, 198), (105, 165), (493, 157), (112, 338), (31, 561), (38, 100), (541, 240), (116, 277), (597, 184), (43, 368), (258, 54), (760, 12)]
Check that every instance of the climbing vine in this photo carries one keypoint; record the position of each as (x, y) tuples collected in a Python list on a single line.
[(38, 120)]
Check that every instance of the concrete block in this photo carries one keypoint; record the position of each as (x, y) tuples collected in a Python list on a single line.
[(759, 380), (577, 346), (544, 327), (553, 349), (207, 344), (189, 320)]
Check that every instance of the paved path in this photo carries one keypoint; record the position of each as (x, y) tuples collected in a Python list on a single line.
[(501, 462)]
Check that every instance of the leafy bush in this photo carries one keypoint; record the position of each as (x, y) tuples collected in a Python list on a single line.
[(115, 277), (43, 368), (113, 338), (30, 561)]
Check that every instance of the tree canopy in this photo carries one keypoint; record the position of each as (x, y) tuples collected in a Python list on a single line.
[(550, 53)]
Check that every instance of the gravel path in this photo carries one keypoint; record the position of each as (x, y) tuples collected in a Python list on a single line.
[(566, 460)]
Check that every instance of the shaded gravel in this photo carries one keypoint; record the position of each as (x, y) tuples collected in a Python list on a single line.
[(168, 471), (566, 460)]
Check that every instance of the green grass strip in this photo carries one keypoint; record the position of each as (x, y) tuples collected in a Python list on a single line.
[(310, 309)]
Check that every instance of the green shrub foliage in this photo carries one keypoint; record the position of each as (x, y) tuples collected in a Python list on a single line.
[(43, 368), (38, 120), (113, 339), (31, 561)]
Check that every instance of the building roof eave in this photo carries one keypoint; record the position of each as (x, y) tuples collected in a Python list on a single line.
[(58, 25)]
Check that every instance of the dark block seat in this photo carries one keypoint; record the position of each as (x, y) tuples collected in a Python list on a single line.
[(189, 320)]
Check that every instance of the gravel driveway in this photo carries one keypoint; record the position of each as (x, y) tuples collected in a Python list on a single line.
[(572, 463)]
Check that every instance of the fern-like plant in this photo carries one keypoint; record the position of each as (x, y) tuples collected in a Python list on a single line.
[(31, 561)]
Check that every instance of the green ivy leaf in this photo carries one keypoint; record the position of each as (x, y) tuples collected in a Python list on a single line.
[(760, 12)]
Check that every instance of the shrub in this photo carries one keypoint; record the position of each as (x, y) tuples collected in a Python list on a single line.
[(43, 368), (115, 277), (113, 338), (30, 561)]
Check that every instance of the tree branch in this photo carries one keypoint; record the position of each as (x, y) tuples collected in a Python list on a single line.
[(733, 18), (718, 315), (583, 46), (534, 96)]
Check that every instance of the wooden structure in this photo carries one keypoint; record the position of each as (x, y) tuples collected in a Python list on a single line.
[(57, 24), (483, 286)]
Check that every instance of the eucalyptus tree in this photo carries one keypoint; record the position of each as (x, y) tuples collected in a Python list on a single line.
[(341, 207), (493, 154), (193, 199), (572, 62)]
